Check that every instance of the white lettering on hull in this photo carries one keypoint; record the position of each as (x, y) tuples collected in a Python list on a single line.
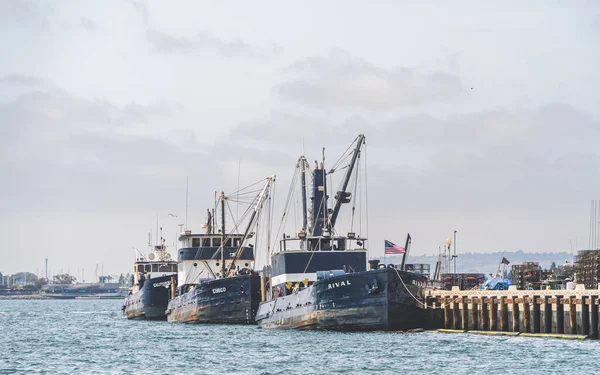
[(219, 290), (338, 284), (165, 284)]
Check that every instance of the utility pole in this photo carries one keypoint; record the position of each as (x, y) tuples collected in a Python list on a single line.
[(455, 256)]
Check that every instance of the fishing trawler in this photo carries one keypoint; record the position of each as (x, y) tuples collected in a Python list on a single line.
[(216, 274), (319, 278), (154, 278)]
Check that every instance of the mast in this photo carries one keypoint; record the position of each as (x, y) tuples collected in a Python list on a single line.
[(222, 234), (209, 225), (319, 198), (187, 180), (343, 196), (303, 164), (406, 248), (262, 197)]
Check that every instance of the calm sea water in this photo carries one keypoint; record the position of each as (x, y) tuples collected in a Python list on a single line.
[(91, 337)]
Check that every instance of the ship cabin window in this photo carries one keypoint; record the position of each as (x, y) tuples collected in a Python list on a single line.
[(147, 268), (339, 244), (155, 268), (173, 268), (216, 242), (206, 242), (320, 244), (195, 242), (229, 242), (325, 244), (165, 268), (140, 268), (237, 242), (313, 244)]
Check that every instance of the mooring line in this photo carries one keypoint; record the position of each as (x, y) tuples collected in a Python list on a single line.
[(415, 298)]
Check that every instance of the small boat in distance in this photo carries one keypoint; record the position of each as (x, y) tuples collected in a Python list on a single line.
[(217, 281), (154, 280)]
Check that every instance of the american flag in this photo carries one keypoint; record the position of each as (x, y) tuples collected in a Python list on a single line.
[(392, 248)]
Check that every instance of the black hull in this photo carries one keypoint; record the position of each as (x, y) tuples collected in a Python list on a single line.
[(375, 300), (151, 301), (231, 300)]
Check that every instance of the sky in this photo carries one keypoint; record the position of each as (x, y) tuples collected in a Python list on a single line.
[(479, 117)]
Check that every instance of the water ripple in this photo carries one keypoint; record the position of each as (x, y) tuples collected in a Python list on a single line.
[(91, 337)]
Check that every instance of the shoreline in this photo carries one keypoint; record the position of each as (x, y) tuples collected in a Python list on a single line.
[(24, 296), (44, 297)]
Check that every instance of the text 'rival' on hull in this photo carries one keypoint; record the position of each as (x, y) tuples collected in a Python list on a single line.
[(318, 279), (217, 281)]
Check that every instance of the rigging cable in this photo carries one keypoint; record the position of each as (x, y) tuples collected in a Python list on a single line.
[(256, 239), (318, 243), (285, 208), (343, 157), (366, 190), (327, 213), (270, 224), (355, 193)]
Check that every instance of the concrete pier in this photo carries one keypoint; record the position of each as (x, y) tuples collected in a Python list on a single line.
[(550, 313)]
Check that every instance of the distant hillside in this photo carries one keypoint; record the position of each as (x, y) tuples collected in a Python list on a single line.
[(488, 262)]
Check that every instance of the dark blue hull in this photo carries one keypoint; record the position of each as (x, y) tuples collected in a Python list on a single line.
[(151, 301), (231, 300), (362, 301)]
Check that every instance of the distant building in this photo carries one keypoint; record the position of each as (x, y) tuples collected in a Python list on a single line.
[(527, 275), (465, 281), (587, 268), (81, 289)]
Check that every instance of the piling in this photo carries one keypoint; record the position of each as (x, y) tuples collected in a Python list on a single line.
[(465, 314), (429, 302), (485, 317), (536, 314), (172, 287), (585, 316), (474, 313), (456, 313), (493, 314), (572, 315), (515, 315), (262, 288), (560, 315), (526, 315), (447, 316), (503, 315), (594, 317), (547, 315)]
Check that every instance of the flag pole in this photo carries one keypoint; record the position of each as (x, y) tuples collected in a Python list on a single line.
[(406, 246), (384, 254), (499, 263)]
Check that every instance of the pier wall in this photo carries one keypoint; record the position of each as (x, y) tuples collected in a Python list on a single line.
[(522, 312)]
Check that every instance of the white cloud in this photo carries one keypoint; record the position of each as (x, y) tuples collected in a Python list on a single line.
[(340, 79)]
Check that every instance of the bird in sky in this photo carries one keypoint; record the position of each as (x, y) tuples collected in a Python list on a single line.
[(172, 215)]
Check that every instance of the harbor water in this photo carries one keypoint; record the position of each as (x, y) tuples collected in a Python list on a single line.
[(92, 337)]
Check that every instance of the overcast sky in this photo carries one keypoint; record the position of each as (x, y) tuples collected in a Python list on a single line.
[(480, 117)]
